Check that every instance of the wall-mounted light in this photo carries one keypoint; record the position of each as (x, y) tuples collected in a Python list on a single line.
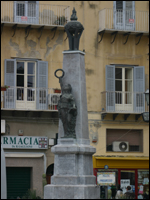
[(145, 115)]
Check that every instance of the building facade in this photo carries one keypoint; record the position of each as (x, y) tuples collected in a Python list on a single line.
[(116, 45)]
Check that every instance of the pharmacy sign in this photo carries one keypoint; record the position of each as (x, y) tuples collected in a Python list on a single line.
[(24, 142)]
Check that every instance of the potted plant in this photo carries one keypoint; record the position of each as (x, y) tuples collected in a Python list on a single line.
[(57, 90), (60, 20), (4, 88)]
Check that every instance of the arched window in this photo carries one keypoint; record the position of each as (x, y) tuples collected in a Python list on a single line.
[(49, 173)]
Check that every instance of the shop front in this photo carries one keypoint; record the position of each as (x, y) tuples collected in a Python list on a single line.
[(123, 171), (25, 164)]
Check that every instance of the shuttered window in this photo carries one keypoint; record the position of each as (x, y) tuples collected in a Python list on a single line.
[(42, 82), (128, 94), (10, 80), (36, 89), (18, 181), (110, 87), (139, 89)]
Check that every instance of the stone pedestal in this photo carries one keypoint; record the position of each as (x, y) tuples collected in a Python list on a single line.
[(73, 167)]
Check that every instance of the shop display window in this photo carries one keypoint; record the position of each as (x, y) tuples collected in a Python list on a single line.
[(143, 184)]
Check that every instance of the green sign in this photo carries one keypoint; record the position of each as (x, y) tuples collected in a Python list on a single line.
[(24, 142)]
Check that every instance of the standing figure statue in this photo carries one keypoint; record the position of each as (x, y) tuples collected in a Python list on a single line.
[(67, 109)]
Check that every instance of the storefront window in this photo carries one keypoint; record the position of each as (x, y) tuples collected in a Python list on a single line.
[(143, 184)]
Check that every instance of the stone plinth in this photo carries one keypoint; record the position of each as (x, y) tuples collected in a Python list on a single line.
[(73, 171), (73, 166)]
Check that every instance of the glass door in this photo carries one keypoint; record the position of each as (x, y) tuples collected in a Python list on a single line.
[(127, 178), (124, 15), (26, 85)]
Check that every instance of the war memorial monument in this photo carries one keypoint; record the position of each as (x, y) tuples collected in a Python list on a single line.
[(73, 168)]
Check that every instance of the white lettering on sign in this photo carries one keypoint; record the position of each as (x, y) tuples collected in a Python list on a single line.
[(24, 142)]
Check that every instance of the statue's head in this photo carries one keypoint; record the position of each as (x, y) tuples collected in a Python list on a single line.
[(67, 88)]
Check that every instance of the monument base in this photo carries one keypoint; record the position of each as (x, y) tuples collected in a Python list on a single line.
[(71, 192), (73, 171)]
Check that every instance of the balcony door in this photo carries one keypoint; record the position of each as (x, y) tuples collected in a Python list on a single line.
[(26, 12), (124, 15), (25, 85), (124, 88)]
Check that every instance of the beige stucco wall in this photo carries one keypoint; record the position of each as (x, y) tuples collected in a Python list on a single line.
[(97, 56)]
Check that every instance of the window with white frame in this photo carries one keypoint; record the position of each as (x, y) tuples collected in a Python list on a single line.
[(124, 87)]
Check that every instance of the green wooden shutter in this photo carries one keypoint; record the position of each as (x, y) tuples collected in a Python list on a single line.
[(110, 88), (42, 85), (18, 181), (10, 80), (139, 89)]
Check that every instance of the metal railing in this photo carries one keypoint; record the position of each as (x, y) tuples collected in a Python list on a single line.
[(21, 98), (129, 20), (123, 102), (34, 13)]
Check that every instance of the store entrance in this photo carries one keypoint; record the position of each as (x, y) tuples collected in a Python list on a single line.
[(127, 178)]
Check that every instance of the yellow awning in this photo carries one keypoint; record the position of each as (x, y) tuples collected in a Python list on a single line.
[(117, 162)]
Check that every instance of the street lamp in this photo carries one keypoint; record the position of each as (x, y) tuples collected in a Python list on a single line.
[(146, 114), (147, 96)]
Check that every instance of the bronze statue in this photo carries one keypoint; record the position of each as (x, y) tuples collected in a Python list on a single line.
[(67, 109)]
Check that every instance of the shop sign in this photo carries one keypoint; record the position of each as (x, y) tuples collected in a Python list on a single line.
[(106, 178), (24, 142)]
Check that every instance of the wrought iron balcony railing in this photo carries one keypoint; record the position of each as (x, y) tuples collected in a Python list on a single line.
[(123, 102), (21, 98), (34, 13), (124, 20)]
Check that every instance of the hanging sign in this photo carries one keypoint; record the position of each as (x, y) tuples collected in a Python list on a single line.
[(124, 183), (106, 178), (24, 142)]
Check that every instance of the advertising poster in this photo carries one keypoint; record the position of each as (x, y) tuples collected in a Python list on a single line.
[(106, 178), (124, 183)]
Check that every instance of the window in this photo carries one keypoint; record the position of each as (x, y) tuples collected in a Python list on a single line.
[(124, 15), (125, 87), (28, 81), (26, 12), (143, 184), (25, 80), (124, 140)]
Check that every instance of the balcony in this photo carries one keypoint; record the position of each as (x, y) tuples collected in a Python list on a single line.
[(34, 13), (30, 99), (124, 21), (123, 102)]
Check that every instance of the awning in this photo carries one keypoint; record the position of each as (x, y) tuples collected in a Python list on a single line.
[(124, 162), (23, 155)]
